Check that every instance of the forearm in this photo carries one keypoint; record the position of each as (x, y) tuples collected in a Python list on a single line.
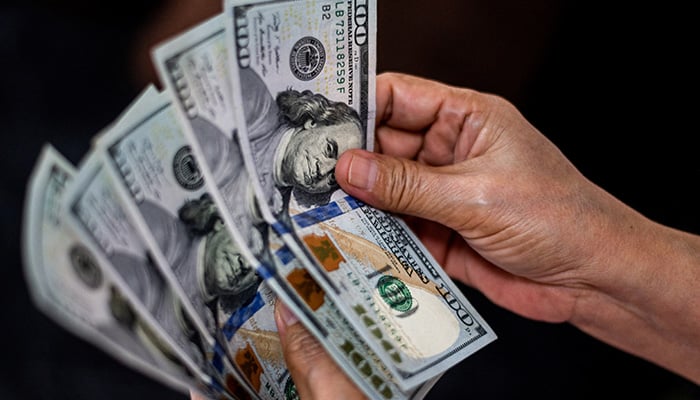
[(644, 299)]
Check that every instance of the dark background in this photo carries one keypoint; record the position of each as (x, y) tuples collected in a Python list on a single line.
[(613, 85)]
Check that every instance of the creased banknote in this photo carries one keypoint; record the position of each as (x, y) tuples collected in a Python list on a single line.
[(70, 287), (142, 299), (194, 68), (303, 79), (173, 206)]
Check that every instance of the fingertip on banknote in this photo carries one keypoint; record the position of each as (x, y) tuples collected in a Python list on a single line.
[(284, 317), (356, 171)]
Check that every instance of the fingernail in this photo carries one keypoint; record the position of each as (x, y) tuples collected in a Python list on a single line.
[(286, 315), (362, 172)]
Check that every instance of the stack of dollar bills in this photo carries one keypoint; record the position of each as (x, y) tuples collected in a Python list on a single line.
[(205, 202)]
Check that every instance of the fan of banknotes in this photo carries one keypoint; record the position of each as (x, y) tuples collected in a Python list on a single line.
[(205, 202)]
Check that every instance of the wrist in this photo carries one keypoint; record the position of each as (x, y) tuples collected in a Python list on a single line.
[(641, 295)]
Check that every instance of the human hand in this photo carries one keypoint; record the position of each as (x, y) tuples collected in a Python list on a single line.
[(499, 206), (315, 374), (503, 210)]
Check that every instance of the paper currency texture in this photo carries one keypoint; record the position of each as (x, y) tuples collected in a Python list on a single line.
[(304, 92)]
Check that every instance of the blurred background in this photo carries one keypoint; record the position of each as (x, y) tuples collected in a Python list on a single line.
[(613, 85)]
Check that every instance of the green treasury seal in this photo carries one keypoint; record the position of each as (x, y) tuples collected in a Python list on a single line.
[(395, 293)]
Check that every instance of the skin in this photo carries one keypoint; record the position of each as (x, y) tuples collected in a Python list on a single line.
[(503, 210), (313, 153)]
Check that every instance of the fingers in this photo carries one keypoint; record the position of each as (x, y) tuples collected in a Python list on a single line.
[(408, 102), (426, 120), (448, 155), (408, 187), (314, 372)]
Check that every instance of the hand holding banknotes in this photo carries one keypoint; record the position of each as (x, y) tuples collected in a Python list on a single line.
[(308, 362), (504, 211)]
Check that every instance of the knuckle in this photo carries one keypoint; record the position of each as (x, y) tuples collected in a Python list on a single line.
[(301, 344), (404, 186)]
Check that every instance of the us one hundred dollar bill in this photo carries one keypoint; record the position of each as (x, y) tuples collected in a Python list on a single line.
[(306, 94), (173, 206), (69, 285), (143, 300), (194, 69)]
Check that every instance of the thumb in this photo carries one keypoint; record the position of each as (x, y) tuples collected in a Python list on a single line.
[(315, 374), (399, 185)]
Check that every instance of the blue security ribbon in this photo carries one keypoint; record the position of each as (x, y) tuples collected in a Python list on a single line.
[(243, 314), (323, 213), (284, 255)]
